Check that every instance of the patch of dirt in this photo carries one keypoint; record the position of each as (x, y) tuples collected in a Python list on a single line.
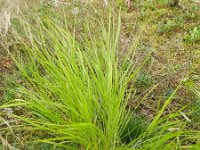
[(6, 65)]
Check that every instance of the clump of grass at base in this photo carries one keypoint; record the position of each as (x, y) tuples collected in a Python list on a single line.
[(77, 93)]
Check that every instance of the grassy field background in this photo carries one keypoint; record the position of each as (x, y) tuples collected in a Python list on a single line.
[(140, 64)]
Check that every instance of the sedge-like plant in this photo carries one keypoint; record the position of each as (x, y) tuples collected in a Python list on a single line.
[(77, 92)]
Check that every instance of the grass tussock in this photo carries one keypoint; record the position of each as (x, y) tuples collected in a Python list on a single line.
[(80, 89)]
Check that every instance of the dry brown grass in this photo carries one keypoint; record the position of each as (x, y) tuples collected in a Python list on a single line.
[(7, 9)]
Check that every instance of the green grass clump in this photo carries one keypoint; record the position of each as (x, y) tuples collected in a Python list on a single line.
[(78, 92)]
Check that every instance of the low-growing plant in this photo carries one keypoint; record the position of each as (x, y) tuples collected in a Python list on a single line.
[(192, 12), (169, 2), (144, 80), (149, 5), (193, 35), (172, 24)]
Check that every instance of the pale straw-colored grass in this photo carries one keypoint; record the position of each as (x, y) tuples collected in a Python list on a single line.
[(8, 8)]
